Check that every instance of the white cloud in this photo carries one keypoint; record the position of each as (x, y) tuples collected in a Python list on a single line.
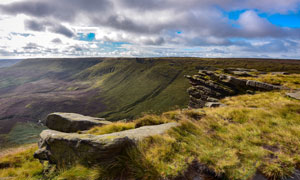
[(150, 27)]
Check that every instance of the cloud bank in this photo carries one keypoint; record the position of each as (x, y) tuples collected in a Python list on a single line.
[(30, 28)]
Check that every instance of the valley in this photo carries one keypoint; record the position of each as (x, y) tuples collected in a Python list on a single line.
[(113, 88)]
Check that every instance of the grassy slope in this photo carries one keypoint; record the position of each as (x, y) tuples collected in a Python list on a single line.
[(136, 87), (253, 132), (158, 85)]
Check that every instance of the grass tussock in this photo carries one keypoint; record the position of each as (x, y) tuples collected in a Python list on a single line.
[(21, 165), (146, 120), (291, 80), (150, 120), (115, 127)]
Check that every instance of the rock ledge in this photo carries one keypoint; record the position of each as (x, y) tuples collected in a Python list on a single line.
[(72, 122)]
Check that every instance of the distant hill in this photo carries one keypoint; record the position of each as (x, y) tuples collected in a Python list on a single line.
[(8, 62), (114, 88)]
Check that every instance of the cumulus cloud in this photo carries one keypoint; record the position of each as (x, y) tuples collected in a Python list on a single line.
[(167, 25), (36, 25)]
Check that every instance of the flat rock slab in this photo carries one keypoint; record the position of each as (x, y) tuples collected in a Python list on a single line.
[(295, 95), (64, 149), (72, 122)]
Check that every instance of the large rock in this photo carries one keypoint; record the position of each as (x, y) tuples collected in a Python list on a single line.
[(295, 95), (64, 149), (72, 122)]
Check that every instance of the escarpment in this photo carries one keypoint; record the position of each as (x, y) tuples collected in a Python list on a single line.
[(208, 87)]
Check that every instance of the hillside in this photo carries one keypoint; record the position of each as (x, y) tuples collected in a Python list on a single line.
[(253, 135), (114, 88), (8, 62)]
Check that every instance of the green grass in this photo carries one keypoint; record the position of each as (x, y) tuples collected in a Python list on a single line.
[(115, 127), (22, 133), (21, 165), (291, 80)]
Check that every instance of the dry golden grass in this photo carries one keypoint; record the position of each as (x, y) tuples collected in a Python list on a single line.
[(290, 80)]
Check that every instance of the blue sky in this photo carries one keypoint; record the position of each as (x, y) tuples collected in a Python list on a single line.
[(290, 20), (150, 28)]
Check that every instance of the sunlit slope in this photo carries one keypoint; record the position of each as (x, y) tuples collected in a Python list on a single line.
[(129, 87)]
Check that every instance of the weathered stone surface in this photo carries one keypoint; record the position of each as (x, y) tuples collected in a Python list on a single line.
[(72, 122), (64, 149), (240, 69), (280, 73), (241, 73), (295, 95), (214, 104), (262, 86), (209, 87)]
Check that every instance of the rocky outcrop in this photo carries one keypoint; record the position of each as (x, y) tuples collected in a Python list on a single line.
[(72, 122), (294, 95), (64, 149), (208, 87)]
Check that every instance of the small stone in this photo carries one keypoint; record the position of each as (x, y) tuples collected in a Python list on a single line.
[(295, 95), (280, 73), (214, 104)]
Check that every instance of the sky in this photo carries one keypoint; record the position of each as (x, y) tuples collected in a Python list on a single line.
[(150, 28)]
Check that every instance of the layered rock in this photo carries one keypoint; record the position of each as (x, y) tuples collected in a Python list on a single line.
[(64, 149), (72, 122), (208, 87)]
